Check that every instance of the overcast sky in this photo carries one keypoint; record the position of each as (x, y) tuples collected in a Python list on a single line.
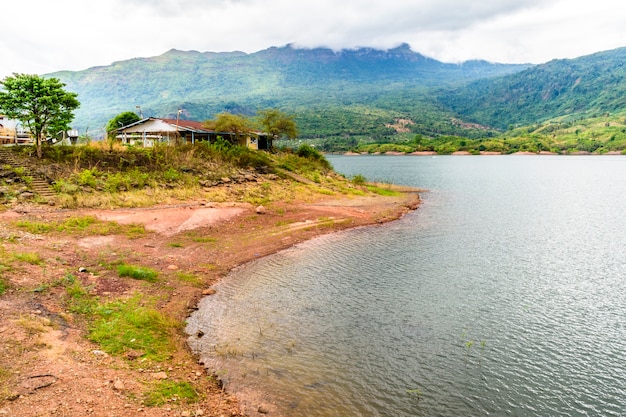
[(41, 36)]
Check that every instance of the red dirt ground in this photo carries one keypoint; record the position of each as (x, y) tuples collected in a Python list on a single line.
[(48, 367)]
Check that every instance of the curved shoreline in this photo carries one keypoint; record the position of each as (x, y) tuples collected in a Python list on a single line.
[(191, 246), (362, 213)]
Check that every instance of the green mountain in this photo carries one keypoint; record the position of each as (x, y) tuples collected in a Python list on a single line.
[(578, 88), (348, 93)]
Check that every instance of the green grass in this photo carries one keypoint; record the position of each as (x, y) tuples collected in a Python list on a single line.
[(29, 258), (83, 225), (190, 278), (204, 239), (382, 191), (126, 325), (79, 300), (137, 272), (168, 391), (35, 227), (3, 286)]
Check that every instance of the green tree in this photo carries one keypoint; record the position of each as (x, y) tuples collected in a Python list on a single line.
[(236, 125), (277, 124), (123, 119), (41, 104)]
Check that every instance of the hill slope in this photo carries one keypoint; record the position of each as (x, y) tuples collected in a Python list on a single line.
[(582, 87), (348, 92)]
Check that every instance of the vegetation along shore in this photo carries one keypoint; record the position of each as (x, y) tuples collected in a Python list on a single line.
[(104, 251)]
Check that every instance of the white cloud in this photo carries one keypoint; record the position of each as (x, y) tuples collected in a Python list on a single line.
[(40, 37)]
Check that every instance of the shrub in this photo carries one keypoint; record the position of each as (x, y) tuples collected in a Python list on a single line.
[(88, 177), (309, 152), (358, 179), (172, 175)]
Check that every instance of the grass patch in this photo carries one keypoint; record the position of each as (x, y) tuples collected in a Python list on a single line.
[(33, 326), (29, 258), (79, 300), (35, 227), (123, 325), (126, 325), (386, 192), (204, 239), (4, 375), (190, 278), (170, 391), (175, 245), (4, 286), (83, 225), (137, 272)]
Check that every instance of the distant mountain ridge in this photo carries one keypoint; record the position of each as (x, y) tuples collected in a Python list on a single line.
[(353, 93), (583, 87), (389, 84)]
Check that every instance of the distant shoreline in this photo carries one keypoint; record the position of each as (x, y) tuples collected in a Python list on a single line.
[(485, 153)]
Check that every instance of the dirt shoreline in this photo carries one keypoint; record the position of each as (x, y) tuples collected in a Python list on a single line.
[(48, 367)]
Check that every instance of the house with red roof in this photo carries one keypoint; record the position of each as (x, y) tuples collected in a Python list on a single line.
[(151, 130)]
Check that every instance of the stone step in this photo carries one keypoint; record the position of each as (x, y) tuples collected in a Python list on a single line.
[(42, 188), (38, 185)]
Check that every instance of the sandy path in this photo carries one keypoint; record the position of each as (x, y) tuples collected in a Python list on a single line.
[(170, 221)]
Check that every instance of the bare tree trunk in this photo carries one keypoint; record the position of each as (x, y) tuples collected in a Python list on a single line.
[(38, 141)]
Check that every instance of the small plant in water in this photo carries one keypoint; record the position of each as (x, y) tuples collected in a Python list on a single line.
[(415, 392)]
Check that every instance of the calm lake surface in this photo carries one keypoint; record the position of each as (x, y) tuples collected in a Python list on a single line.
[(504, 294)]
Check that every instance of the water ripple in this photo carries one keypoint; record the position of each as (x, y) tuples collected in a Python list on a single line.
[(502, 295)]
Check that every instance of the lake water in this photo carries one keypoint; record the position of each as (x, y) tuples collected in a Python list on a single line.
[(504, 294)]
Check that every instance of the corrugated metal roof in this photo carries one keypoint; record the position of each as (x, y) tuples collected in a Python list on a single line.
[(183, 125)]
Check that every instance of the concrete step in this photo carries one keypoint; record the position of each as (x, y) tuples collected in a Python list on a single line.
[(38, 185)]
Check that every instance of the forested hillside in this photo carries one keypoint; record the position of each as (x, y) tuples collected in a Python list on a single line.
[(584, 87), (341, 99), (332, 94)]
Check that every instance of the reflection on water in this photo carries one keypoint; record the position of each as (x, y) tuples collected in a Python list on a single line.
[(504, 294)]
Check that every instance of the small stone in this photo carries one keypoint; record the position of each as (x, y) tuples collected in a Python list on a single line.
[(82, 269), (263, 409), (118, 385), (261, 210), (199, 412), (159, 375), (226, 180), (99, 353), (172, 267), (185, 414), (134, 354), (209, 291)]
